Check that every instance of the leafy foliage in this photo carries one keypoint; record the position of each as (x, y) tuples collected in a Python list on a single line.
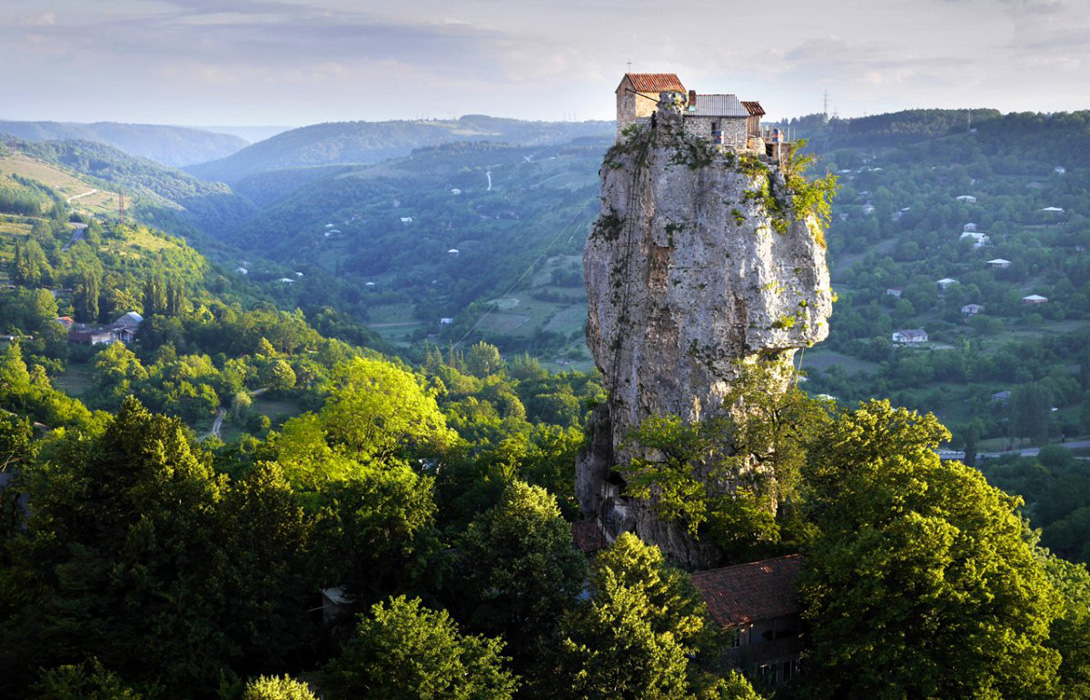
[(520, 566), (277, 688), (403, 651), (914, 549), (638, 634)]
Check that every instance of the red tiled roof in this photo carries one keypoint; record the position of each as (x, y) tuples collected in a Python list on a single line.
[(653, 82), (754, 108), (588, 537), (760, 590)]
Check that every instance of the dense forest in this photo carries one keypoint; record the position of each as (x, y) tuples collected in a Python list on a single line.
[(261, 497)]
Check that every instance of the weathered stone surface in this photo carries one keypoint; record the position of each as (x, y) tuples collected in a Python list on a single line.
[(687, 275)]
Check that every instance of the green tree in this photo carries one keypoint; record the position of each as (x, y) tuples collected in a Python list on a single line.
[(725, 478), (42, 311), (121, 558), (266, 538), (20, 266), (16, 449), (155, 296), (483, 360), (277, 688), (404, 651), (375, 531), (279, 376), (1070, 633), (642, 633), (378, 410), (1030, 413), (520, 566), (85, 297), (86, 681), (920, 583)]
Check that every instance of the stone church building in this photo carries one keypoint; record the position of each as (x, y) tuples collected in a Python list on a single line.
[(721, 118)]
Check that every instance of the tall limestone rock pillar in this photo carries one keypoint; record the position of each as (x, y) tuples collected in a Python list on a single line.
[(701, 258)]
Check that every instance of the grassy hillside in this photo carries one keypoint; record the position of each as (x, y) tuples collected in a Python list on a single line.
[(169, 145), (163, 197), (372, 142), (42, 184)]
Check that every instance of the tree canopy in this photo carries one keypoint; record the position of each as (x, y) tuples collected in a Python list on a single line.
[(920, 583), (404, 651)]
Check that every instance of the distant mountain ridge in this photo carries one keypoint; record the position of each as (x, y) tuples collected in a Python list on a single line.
[(371, 142), (170, 145)]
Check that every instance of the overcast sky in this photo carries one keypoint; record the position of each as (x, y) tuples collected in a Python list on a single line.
[(296, 62)]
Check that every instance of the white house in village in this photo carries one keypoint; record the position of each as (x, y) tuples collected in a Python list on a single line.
[(1052, 210), (1034, 299), (894, 292), (130, 320), (998, 264), (967, 198), (945, 282), (971, 309), (910, 336), (979, 239)]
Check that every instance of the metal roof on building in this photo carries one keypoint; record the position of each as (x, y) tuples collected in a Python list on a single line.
[(653, 82), (754, 108), (742, 594), (719, 106)]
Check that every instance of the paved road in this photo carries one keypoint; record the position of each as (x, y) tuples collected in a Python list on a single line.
[(77, 233), (1033, 451), (1024, 451)]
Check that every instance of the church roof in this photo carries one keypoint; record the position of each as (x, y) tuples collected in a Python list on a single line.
[(653, 82), (761, 590), (718, 106), (754, 108)]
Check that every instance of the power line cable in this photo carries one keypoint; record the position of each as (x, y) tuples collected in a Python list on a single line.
[(521, 277)]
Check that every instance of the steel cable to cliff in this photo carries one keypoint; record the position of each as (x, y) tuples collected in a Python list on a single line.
[(521, 277), (630, 228)]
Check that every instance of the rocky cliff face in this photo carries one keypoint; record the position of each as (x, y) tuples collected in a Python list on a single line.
[(701, 259)]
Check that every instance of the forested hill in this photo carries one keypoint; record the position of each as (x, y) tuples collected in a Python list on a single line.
[(1024, 135), (164, 197), (170, 145), (371, 142)]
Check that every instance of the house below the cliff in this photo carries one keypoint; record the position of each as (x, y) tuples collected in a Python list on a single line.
[(721, 118), (759, 603), (910, 336), (589, 536)]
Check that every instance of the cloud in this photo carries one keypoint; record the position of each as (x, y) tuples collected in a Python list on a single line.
[(43, 20)]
